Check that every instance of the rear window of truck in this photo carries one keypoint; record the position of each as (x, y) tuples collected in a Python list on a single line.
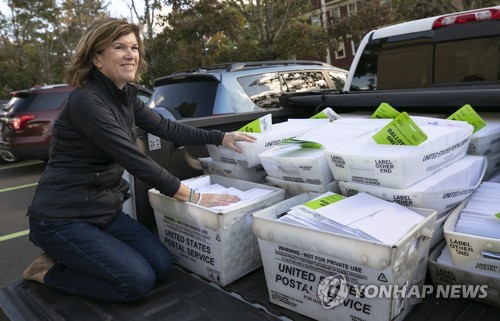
[(418, 61)]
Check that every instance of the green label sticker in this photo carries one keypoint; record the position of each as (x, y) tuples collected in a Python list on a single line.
[(260, 125), (468, 114), (401, 131), (384, 111), (321, 202), (497, 215), (326, 113)]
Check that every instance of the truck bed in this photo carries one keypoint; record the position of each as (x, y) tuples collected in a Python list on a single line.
[(186, 296)]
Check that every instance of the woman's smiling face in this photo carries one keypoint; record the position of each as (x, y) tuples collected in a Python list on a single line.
[(120, 60)]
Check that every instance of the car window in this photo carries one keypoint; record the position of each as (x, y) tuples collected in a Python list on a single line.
[(14, 101), (143, 93), (143, 97), (263, 89), (266, 88), (3, 104), (40, 102), (338, 78), (186, 99), (298, 81)]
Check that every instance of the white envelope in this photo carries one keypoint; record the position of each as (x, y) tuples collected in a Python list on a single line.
[(390, 224), (352, 208)]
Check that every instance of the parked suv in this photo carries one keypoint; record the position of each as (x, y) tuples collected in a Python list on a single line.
[(240, 87), (26, 121)]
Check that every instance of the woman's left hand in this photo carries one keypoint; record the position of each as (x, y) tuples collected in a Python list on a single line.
[(231, 138)]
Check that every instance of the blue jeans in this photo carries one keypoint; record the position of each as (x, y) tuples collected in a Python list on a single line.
[(119, 263)]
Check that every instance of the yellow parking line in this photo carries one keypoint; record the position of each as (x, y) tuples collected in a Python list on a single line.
[(13, 235), (26, 163), (8, 189)]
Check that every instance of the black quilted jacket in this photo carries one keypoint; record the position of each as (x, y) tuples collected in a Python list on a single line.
[(93, 142)]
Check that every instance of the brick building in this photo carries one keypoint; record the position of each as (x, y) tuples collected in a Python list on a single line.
[(325, 10)]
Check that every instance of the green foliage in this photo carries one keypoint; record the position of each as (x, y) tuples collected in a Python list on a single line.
[(38, 37), (269, 27), (418, 9), (371, 14), (209, 32)]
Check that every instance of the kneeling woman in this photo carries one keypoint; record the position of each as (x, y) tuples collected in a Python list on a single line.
[(91, 247)]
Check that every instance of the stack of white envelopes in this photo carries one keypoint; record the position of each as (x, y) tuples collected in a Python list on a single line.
[(442, 191), (362, 216), (301, 165), (478, 217), (249, 195), (471, 255), (255, 174), (486, 141), (483, 142), (362, 160), (249, 157), (472, 231)]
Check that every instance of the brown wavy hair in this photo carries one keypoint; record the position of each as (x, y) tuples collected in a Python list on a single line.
[(99, 36)]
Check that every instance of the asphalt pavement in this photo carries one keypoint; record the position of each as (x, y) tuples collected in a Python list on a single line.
[(17, 186)]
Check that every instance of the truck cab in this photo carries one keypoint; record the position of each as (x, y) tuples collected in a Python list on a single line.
[(445, 61)]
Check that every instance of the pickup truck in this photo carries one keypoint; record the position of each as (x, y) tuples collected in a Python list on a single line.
[(434, 65), (430, 66)]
